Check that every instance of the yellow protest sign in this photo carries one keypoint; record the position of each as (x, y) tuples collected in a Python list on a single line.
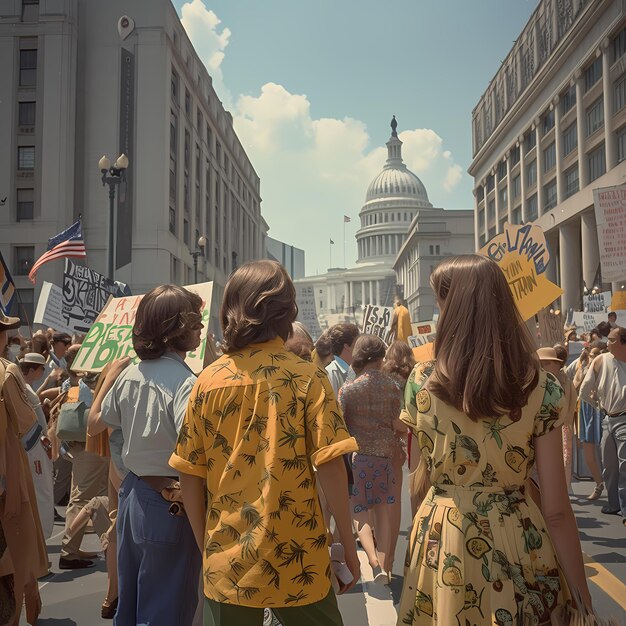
[(522, 254), (110, 336), (618, 301)]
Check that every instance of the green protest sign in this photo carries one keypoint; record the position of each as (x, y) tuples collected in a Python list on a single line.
[(110, 336)]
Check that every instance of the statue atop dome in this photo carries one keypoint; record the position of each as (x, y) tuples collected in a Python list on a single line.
[(394, 125)]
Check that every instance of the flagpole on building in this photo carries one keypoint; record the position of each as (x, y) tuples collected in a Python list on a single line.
[(330, 253), (344, 242)]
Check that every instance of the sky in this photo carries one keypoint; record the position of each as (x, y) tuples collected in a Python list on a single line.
[(312, 87)]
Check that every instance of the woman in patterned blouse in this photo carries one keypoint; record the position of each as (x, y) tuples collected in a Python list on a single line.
[(371, 406)]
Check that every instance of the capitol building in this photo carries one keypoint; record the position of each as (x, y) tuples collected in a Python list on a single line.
[(396, 204)]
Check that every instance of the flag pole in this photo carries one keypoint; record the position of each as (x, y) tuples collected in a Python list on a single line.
[(344, 241), (330, 252)]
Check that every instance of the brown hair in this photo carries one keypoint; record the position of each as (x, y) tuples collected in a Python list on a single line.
[(259, 304), (70, 355), (341, 335), (485, 361), (324, 346), (399, 360), (367, 349), (167, 318), (300, 346), (561, 352), (39, 343)]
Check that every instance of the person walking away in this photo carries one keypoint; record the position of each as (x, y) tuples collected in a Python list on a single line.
[(398, 365), (89, 473), (258, 420), (606, 382), (39, 447), (371, 406), (342, 337), (401, 321), (25, 556), (158, 561), (483, 412), (589, 423), (323, 353)]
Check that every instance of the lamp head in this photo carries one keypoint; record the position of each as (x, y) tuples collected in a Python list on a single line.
[(104, 164), (122, 162), (202, 241)]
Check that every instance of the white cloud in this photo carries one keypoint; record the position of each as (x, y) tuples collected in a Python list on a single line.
[(201, 25), (313, 170)]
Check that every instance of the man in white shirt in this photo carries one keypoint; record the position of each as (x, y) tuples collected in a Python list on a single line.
[(342, 337), (606, 382)]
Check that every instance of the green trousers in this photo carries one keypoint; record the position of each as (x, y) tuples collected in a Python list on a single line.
[(322, 613)]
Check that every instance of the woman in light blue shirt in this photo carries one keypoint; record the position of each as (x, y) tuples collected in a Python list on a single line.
[(158, 559)]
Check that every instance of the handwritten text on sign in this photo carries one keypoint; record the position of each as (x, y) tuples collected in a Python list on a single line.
[(111, 335), (610, 210), (377, 321), (523, 256)]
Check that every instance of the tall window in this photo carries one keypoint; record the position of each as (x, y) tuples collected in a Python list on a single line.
[(531, 140), (570, 139), (187, 152), (501, 170), (531, 173), (174, 86), (491, 210), (186, 231), (25, 204), (595, 116), (597, 163), (621, 144), (531, 208), (516, 215), (481, 218), (515, 156), (548, 122), (593, 73), (26, 158), (549, 195), (503, 198), (187, 102), (173, 132), (172, 224), (24, 259), (517, 186), (28, 68), (571, 181), (172, 179), (619, 45), (549, 157), (619, 94), (26, 114), (569, 99)]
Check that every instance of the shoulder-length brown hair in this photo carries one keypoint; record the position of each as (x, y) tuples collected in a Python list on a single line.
[(399, 360), (167, 319), (367, 349), (259, 304), (485, 360)]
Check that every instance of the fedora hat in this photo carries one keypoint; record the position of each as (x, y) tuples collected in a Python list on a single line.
[(8, 323), (548, 354), (34, 358)]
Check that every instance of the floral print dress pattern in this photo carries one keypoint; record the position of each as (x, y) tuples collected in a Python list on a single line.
[(479, 551)]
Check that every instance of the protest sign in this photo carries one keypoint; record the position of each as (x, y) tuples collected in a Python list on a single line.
[(550, 328), (85, 292), (377, 321), (523, 256), (110, 337), (424, 353), (618, 301), (610, 210), (307, 311), (49, 310), (597, 302), (423, 332)]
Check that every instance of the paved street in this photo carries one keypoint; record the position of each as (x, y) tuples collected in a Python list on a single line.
[(74, 597)]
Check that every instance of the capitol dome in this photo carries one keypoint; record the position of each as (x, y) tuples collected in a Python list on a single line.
[(392, 200)]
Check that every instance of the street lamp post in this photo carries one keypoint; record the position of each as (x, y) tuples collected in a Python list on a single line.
[(199, 251), (112, 175)]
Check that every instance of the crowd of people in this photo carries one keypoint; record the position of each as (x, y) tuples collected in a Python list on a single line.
[(245, 490)]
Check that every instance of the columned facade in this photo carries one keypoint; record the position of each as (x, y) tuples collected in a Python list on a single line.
[(555, 115)]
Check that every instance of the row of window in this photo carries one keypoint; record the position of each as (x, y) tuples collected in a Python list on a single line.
[(382, 218)]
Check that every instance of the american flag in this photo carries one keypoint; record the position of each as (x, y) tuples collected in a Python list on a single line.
[(66, 245)]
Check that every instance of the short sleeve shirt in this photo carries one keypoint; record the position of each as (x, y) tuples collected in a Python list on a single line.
[(257, 422)]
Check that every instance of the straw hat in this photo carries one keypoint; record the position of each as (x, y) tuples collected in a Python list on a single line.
[(34, 358), (8, 323), (548, 354)]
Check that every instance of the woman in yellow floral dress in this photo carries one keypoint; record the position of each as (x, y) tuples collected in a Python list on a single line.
[(483, 414)]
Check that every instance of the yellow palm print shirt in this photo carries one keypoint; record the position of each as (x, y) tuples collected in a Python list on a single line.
[(257, 421)]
